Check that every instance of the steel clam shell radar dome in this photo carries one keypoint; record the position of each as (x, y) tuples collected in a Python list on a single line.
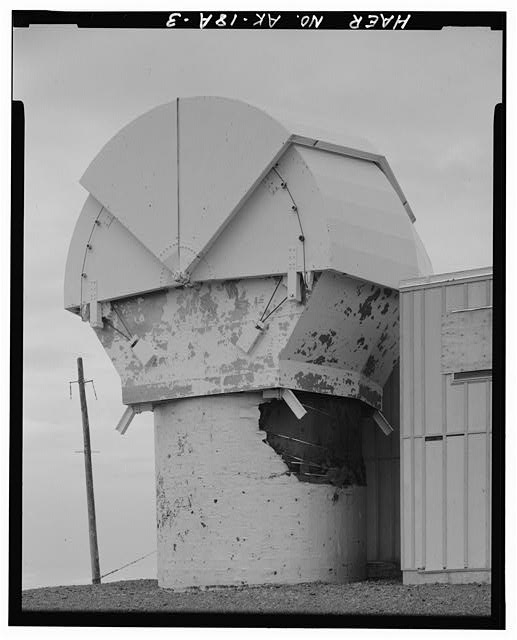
[(196, 209), (242, 275)]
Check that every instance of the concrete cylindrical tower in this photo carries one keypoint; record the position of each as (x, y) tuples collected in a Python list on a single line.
[(230, 512)]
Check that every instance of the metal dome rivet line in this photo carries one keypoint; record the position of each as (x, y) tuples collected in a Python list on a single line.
[(88, 247), (294, 207)]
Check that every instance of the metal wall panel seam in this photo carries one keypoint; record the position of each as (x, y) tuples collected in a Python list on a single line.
[(444, 457), (488, 482), (450, 433), (424, 463), (465, 570), (488, 440), (466, 457), (412, 404), (489, 306), (402, 429), (393, 468)]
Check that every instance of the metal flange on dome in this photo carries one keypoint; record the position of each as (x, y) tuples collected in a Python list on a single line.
[(221, 250)]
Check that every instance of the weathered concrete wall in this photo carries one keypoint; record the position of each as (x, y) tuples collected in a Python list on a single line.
[(229, 512)]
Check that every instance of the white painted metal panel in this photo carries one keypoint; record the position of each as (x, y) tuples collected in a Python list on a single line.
[(490, 405), (477, 294), (303, 186), (135, 177), (226, 147), (432, 361), (418, 362), (455, 406), (105, 261), (407, 511), (455, 502), (477, 512), (406, 359), (418, 498), (370, 232), (119, 264), (455, 297), (256, 241), (477, 406), (433, 505)]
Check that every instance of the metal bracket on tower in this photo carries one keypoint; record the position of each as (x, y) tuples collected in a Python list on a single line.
[(143, 350), (125, 420), (294, 290), (130, 413), (382, 423), (289, 398), (250, 336)]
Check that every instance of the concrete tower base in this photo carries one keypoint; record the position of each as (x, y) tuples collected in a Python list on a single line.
[(229, 512)]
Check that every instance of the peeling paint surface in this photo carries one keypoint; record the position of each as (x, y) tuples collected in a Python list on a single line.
[(194, 332), (342, 340), (346, 341), (229, 512)]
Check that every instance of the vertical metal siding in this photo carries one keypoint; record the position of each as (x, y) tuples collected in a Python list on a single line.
[(455, 503), (432, 362), (418, 339), (445, 479)]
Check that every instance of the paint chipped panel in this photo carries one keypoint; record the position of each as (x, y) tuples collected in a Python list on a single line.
[(194, 332), (329, 381), (348, 325)]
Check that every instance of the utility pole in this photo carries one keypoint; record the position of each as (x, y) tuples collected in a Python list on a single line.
[(92, 525)]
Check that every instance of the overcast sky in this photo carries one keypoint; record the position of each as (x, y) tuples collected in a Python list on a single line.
[(424, 99)]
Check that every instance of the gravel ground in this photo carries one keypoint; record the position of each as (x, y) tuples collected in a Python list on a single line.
[(384, 597)]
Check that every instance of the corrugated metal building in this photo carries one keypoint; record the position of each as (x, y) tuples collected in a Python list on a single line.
[(446, 426)]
